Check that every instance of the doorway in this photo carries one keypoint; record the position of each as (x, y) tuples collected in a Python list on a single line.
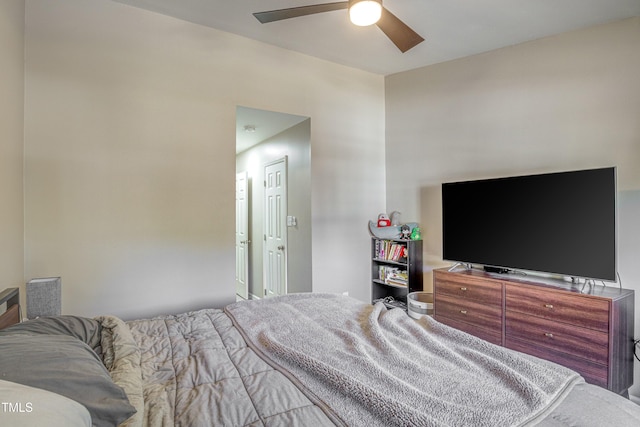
[(264, 137)]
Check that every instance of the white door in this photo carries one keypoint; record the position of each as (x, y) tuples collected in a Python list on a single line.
[(242, 236), (275, 228)]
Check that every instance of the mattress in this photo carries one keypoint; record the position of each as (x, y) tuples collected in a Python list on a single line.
[(215, 367)]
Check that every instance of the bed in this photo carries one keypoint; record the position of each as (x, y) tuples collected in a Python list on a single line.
[(296, 360)]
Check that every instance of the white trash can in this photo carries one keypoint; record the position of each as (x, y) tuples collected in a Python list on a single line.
[(419, 304)]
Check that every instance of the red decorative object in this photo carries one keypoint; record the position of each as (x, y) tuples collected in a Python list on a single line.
[(383, 220)]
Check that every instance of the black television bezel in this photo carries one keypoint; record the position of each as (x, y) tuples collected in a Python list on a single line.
[(500, 267)]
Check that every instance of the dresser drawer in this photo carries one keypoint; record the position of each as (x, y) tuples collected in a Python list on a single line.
[(483, 315), (589, 333), (559, 306), (593, 373), (478, 290), (492, 335), (580, 342)]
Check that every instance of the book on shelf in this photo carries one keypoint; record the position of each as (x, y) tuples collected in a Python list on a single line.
[(393, 275), (398, 280), (390, 251)]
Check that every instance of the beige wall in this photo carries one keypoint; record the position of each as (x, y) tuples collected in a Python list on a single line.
[(566, 102), (130, 155), (11, 137)]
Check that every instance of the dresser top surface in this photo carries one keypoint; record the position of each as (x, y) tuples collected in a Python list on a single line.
[(612, 292)]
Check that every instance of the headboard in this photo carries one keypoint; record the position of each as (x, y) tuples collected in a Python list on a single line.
[(12, 315)]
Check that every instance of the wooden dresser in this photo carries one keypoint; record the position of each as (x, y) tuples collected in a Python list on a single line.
[(591, 333)]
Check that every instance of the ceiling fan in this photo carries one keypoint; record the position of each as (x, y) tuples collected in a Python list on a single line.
[(361, 12)]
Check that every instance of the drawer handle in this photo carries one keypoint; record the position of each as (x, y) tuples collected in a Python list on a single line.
[(463, 311), (548, 305), (463, 289), (548, 335)]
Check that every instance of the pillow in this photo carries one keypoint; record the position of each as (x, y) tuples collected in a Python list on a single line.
[(25, 406), (67, 366), (86, 330)]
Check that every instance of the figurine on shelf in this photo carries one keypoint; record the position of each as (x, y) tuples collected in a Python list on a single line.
[(415, 234), (405, 232), (395, 218), (383, 220)]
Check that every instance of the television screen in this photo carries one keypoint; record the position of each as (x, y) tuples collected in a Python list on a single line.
[(562, 223)]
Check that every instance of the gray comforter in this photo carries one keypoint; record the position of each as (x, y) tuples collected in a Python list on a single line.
[(196, 369), (386, 369)]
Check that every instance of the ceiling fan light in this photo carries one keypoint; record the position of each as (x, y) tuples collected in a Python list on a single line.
[(365, 12)]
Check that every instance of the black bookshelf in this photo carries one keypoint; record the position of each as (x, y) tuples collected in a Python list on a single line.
[(396, 270)]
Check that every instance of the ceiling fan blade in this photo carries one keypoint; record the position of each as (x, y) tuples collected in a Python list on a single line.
[(399, 32), (294, 12)]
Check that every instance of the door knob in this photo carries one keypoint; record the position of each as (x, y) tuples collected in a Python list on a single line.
[(281, 248)]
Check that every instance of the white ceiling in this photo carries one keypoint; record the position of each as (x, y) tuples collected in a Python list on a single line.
[(265, 125), (451, 28)]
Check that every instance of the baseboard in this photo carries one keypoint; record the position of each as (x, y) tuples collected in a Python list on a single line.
[(251, 296)]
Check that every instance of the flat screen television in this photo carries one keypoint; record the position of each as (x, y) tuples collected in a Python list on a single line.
[(561, 223)]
